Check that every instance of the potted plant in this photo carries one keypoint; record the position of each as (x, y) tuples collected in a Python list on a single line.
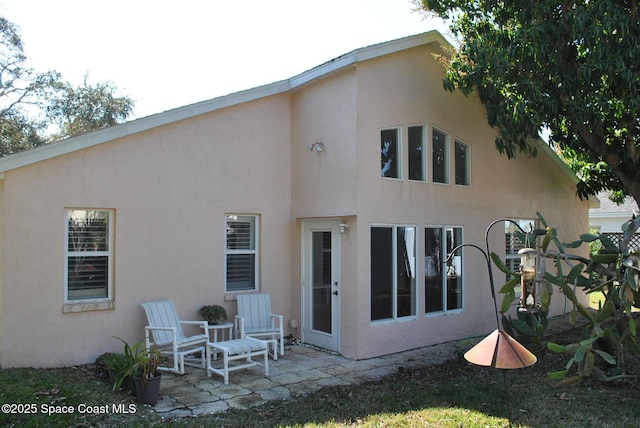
[(147, 378), (141, 369), (214, 314)]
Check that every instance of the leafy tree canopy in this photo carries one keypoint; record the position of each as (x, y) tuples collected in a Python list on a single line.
[(572, 67), (33, 104)]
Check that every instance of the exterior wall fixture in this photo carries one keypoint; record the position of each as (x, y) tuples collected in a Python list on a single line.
[(499, 350), (343, 228), (318, 146)]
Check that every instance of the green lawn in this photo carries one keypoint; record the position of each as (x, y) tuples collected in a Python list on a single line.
[(453, 394)]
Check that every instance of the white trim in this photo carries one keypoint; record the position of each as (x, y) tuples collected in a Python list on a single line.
[(333, 340), (443, 248), (399, 152), (394, 298), (255, 251), (79, 305), (468, 162), (447, 154), (425, 155)]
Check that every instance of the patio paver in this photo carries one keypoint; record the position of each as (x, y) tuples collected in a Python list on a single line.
[(302, 370)]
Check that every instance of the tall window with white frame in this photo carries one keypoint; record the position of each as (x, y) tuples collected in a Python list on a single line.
[(89, 255), (241, 251), (393, 272), (462, 163), (440, 157), (390, 153), (417, 153), (443, 283)]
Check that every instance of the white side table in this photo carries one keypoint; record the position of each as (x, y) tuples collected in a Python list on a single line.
[(228, 327)]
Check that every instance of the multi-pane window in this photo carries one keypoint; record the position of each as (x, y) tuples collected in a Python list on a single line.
[(241, 253), (462, 158), (442, 282), (440, 157), (89, 255), (390, 153), (446, 158), (393, 272), (417, 153)]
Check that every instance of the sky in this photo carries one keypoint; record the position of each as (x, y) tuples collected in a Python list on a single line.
[(166, 54)]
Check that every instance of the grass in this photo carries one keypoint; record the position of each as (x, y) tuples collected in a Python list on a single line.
[(453, 394)]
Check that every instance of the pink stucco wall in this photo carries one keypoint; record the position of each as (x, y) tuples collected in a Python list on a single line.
[(171, 187)]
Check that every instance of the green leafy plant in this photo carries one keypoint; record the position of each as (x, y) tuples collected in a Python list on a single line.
[(147, 365), (213, 314), (609, 332), (129, 363), (113, 362)]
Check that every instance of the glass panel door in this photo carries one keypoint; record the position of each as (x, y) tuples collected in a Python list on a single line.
[(321, 281), (321, 284)]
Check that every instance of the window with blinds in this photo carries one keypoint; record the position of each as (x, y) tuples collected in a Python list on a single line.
[(241, 254), (88, 254)]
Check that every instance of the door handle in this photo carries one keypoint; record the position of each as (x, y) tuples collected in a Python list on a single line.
[(335, 293)]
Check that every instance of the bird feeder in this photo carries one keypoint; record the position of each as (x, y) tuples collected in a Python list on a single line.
[(529, 299)]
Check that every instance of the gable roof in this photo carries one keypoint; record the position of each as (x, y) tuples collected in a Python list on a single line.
[(146, 123), (79, 142)]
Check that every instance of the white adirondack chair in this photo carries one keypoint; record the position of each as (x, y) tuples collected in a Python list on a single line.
[(256, 320), (165, 333)]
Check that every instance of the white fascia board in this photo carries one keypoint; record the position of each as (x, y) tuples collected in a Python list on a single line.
[(382, 49), (323, 70), (367, 53)]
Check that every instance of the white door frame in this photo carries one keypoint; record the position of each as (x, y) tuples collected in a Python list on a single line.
[(329, 338)]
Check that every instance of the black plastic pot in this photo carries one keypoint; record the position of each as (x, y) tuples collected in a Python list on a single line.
[(149, 390)]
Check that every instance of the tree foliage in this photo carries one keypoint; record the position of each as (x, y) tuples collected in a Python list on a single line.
[(572, 67), (32, 103), (87, 108)]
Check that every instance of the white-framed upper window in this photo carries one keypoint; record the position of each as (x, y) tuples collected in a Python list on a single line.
[(440, 156), (241, 252), (390, 153), (89, 255), (417, 153), (393, 272), (462, 163)]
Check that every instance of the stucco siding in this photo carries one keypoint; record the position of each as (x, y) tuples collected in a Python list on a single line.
[(324, 183), (412, 94), (170, 188), (171, 183)]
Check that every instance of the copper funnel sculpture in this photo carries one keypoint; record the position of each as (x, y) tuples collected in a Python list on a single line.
[(500, 351)]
